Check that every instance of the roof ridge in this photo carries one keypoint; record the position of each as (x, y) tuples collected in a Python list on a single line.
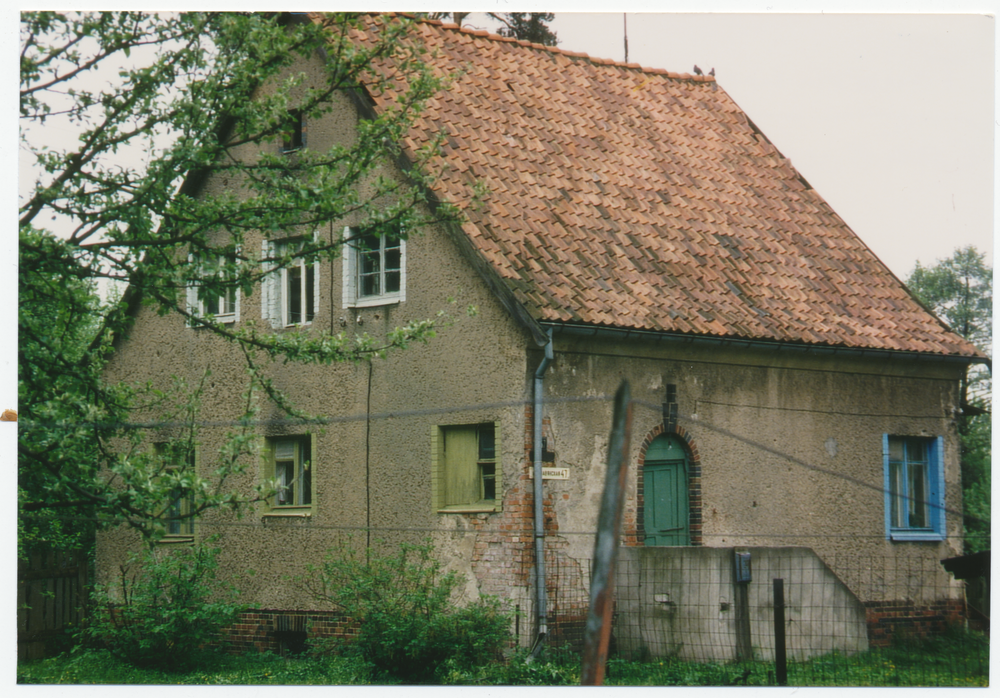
[(483, 33)]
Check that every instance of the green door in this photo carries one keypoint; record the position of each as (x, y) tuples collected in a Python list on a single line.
[(665, 491)]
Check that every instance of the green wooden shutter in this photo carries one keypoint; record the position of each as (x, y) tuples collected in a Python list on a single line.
[(461, 453)]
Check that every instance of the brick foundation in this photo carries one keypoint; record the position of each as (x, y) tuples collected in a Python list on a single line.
[(279, 631), (895, 620)]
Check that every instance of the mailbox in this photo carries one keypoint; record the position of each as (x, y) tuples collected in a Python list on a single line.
[(742, 565)]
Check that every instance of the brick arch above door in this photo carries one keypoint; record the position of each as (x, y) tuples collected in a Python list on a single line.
[(694, 485)]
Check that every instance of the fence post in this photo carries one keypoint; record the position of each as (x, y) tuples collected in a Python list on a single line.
[(597, 633), (741, 602), (780, 661)]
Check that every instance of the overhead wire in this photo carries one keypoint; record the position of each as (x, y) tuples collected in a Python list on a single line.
[(369, 417)]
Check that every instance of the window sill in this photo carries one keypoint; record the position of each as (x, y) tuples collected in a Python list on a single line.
[(221, 320), (470, 509), (375, 301), (290, 512), (904, 536), (176, 540)]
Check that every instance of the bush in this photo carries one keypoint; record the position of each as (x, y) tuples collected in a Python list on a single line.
[(553, 668), (165, 606), (407, 624)]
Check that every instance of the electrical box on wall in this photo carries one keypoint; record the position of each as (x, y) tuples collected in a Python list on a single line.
[(742, 567)]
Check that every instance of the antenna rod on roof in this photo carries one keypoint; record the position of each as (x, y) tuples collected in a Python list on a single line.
[(625, 23)]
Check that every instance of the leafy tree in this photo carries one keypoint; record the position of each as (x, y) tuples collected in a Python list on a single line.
[(57, 323), (527, 26), (960, 291), (190, 95)]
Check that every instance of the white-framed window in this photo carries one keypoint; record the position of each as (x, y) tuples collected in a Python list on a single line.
[(290, 295), (374, 269), (224, 307), (914, 487), (289, 463), (466, 472)]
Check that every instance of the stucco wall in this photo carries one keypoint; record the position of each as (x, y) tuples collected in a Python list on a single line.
[(741, 409), (372, 464)]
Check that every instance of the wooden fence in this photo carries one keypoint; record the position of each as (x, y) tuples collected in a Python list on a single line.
[(51, 595)]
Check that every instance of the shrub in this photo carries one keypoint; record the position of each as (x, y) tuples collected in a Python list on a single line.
[(164, 607), (408, 625)]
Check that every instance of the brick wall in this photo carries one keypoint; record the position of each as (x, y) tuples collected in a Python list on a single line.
[(895, 620), (282, 631)]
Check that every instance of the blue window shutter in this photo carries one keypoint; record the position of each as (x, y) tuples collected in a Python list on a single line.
[(935, 493), (887, 493)]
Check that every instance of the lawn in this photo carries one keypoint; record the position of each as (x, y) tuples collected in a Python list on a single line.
[(958, 659)]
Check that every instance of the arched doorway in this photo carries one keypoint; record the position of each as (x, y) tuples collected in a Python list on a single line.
[(665, 483)]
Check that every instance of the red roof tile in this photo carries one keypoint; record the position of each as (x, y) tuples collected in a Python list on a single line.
[(644, 199)]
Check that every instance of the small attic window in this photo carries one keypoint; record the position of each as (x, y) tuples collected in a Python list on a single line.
[(293, 136)]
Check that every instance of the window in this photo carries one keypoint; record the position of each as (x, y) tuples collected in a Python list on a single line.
[(290, 295), (293, 137), (224, 306), (179, 460), (914, 487), (466, 468), (374, 269), (289, 463)]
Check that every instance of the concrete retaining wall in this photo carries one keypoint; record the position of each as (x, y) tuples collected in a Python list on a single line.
[(683, 602)]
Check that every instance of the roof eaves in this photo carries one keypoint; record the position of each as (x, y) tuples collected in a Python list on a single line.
[(800, 347)]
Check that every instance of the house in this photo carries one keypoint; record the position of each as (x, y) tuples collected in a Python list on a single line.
[(789, 390)]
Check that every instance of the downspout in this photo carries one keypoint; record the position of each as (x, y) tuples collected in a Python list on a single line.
[(541, 600)]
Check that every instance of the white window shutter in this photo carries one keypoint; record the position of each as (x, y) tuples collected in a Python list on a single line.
[(348, 254), (193, 306), (402, 270), (315, 279), (270, 296), (265, 284), (279, 301)]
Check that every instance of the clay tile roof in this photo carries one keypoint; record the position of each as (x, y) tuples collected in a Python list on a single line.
[(636, 198)]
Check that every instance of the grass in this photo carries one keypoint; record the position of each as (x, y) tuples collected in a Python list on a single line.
[(956, 659), (217, 669)]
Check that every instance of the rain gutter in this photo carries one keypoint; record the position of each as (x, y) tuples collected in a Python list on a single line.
[(541, 603), (693, 340)]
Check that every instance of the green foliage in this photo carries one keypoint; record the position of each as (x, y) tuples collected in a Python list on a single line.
[(158, 104), (527, 26), (960, 291), (975, 434), (164, 608), (408, 624), (958, 658), (553, 668), (215, 669)]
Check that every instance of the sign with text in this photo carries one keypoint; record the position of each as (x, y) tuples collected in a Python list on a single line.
[(550, 473)]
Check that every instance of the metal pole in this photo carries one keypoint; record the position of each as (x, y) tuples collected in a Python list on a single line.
[(597, 634), (780, 661)]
